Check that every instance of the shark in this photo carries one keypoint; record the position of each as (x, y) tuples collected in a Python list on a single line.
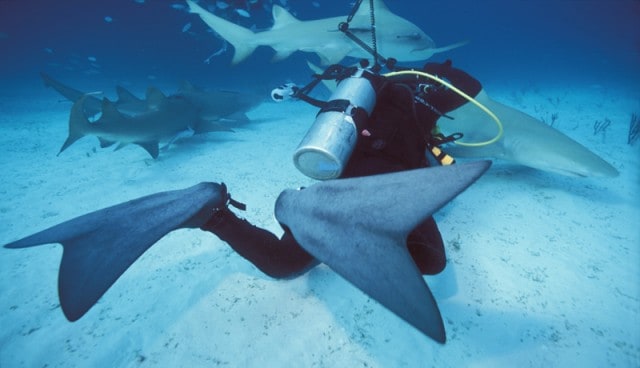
[(169, 118), (526, 140), (396, 36), (219, 105), (129, 119)]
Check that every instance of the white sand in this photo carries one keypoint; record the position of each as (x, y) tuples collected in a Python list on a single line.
[(543, 269)]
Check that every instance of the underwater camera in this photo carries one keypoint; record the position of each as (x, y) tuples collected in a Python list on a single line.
[(324, 151), (284, 92)]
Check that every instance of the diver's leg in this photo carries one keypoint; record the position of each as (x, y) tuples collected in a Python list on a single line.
[(427, 248), (278, 258)]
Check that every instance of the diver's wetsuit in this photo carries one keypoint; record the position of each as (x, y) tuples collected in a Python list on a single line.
[(396, 139)]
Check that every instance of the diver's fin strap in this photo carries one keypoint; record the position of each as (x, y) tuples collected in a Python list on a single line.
[(230, 201), (239, 205), (439, 139)]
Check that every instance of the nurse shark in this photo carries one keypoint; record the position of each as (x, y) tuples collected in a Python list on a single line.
[(396, 36)]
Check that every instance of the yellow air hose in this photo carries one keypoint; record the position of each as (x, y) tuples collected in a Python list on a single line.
[(465, 96)]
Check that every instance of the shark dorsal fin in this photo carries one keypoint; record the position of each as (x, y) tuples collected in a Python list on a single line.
[(109, 109), (125, 95), (281, 17), (378, 5), (155, 98), (186, 87)]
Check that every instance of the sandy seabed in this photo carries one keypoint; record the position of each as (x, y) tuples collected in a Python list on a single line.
[(543, 270)]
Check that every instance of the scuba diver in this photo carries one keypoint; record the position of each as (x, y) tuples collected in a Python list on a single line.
[(370, 219), (394, 138)]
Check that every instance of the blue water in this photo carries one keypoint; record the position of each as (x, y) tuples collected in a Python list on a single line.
[(543, 269), (589, 40)]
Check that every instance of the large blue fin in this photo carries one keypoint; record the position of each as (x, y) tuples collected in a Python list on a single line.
[(101, 245), (359, 226)]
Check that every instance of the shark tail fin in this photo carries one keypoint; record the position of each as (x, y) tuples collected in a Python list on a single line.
[(78, 123), (241, 38), (124, 95)]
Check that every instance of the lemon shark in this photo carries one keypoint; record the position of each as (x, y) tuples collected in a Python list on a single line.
[(211, 105), (154, 119), (396, 36), (170, 118), (526, 140)]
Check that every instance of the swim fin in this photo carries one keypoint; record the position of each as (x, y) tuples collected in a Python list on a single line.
[(101, 245), (362, 236)]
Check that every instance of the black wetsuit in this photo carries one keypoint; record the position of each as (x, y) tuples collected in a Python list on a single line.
[(396, 140)]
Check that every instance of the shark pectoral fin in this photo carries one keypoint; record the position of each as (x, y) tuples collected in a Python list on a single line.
[(359, 226), (449, 47), (236, 118), (282, 54), (242, 51), (181, 134), (101, 245), (330, 56)]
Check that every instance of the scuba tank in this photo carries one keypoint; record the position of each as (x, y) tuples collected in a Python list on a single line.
[(325, 150)]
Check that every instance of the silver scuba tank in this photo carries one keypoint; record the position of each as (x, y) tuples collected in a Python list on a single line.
[(324, 151)]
